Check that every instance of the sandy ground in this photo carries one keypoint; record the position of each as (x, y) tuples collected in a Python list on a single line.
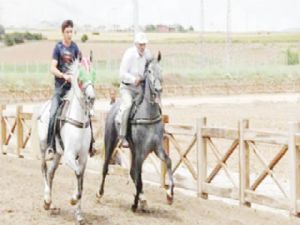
[(22, 192), (21, 182)]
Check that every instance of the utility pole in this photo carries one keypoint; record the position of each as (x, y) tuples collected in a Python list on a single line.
[(228, 35), (135, 16), (1, 14), (202, 32)]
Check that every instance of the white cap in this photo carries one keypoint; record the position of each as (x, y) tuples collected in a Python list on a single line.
[(140, 38)]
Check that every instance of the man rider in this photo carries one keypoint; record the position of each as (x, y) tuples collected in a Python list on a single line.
[(64, 53), (132, 70)]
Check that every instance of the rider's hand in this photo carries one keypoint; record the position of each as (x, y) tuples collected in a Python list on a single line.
[(67, 77), (138, 80)]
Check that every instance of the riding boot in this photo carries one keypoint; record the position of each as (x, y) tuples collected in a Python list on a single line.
[(51, 135), (123, 125)]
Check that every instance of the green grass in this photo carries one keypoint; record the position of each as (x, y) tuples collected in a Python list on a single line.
[(189, 37), (108, 74), (181, 65)]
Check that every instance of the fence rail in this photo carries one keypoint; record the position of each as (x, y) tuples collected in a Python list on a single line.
[(13, 95)]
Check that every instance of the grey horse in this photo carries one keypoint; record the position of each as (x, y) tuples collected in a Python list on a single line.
[(144, 135)]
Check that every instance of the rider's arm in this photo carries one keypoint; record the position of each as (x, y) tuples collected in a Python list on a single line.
[(125, 75), (57, 73)]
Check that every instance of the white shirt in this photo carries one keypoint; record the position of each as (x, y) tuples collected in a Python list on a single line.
[(133, 65)]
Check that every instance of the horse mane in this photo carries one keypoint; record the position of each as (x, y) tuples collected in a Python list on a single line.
[(74, 71)]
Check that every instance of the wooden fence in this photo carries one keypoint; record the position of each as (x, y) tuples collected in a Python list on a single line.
[(209, 87), (201, 139), (243, 141)]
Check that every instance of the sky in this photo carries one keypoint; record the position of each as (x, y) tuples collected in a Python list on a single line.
[(246, 15)]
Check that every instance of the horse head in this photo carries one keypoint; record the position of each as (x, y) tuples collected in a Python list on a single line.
[(83, 79), (153, 73)]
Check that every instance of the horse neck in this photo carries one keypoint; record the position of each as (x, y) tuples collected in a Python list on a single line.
[(150, 109), (76, 111)]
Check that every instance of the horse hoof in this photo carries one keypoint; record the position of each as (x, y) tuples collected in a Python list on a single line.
[(144, 205), (133, 208), (73, 201), (54, 211), (170, 199), (98, 197), (80, 221), (47, 205)]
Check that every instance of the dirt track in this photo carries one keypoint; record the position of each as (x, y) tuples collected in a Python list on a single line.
[(21, 184), (22, 192)]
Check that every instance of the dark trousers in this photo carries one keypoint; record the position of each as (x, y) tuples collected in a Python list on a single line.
[(59, 93)]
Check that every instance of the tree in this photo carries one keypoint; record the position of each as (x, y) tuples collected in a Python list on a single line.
[(150, 28), (2, 30), (191, 28), (84, 38)]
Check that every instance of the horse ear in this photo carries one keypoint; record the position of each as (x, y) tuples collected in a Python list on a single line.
[(80, 56), (158, 56), (91, 56)]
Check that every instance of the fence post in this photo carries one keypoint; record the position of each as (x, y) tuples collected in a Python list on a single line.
[(201, 158), (244, 162), (294, 162), (166, 146), (2, 130), (19, 130), (35, 143)]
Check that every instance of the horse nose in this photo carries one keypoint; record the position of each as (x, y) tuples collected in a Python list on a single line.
[(91, 99), (158, 87)]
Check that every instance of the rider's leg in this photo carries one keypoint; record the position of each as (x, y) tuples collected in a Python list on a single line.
[(56, 101), (122, 117)]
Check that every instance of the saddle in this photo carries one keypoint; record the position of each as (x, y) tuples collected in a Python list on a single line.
[(61, 119), (134, 118)]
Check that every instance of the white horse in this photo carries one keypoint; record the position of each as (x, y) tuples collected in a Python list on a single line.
[(75, 134)]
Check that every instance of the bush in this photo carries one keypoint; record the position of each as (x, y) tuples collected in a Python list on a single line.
[(292, 57), (96, 33), (84, 38), (30, 36), (18, 38), (2, 30), (8, 40)]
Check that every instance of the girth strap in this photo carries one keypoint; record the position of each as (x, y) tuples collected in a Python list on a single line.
[(146, 121), (75, 122)]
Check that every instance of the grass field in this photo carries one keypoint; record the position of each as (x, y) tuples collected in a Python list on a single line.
[(188, 37), (258, 56)]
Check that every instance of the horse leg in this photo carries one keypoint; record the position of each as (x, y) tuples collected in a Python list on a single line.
[(142, 198), (47, 199), (132, 167), (76, 199), (48, 176), (164, 157), (138, 182), (108, 153), (79, 175)]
